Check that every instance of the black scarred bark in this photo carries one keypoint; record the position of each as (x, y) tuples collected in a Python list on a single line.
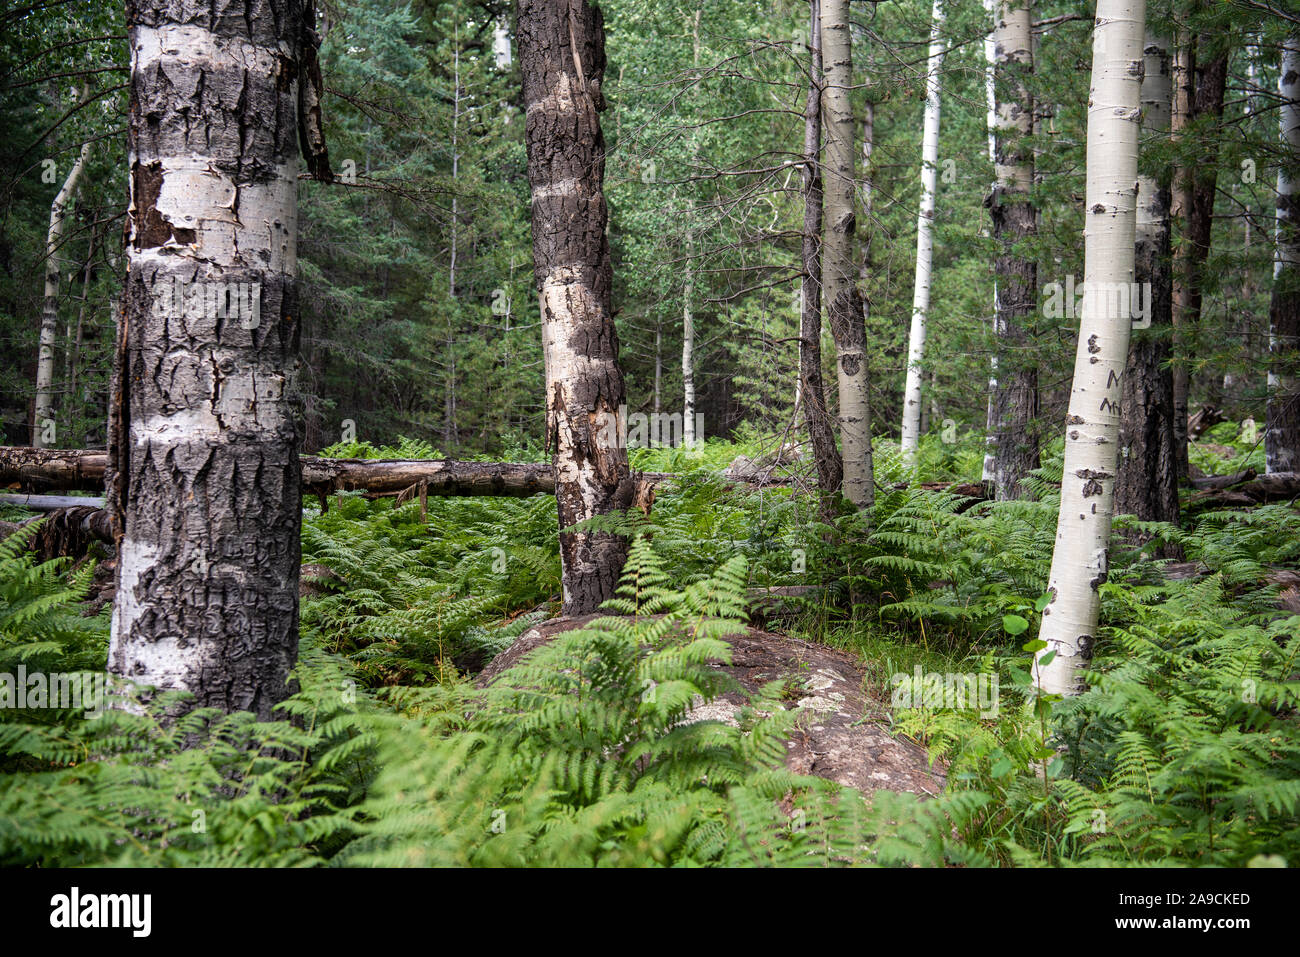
[(204, 476), (562, 60), (820, 419)]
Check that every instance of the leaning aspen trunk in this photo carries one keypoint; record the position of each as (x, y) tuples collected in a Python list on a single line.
[(843, 303), (821, 430), (204, 475), (1079, 561), (1282, 434), (1014, 394), (1146, 484), (562, 59), (924, 242), (43, 419)]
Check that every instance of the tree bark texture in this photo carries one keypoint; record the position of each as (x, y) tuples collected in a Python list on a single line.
[(562, 60)]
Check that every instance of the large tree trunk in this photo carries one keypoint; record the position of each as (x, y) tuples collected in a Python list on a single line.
[(1146, 484), (42, 418), (1013, 407), (1079, 560), (843, 302), (821, 432), (1282, 434), (562, 59), (205, 483), (1199, 185), (912, 403)]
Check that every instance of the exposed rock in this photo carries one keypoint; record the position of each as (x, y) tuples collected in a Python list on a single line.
[(841, 734)]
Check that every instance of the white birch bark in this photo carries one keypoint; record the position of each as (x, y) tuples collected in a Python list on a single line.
[(987, 473), (843, 304), (1080, 558), (1282, 434), (924, 241), (50, 305)]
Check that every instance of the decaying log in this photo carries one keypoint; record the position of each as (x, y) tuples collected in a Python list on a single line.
[(68, 470), (1274, 487)]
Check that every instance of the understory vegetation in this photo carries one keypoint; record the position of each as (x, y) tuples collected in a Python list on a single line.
[(1185, 750)]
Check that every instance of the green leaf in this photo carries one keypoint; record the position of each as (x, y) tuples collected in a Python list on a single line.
[(1014, 624)]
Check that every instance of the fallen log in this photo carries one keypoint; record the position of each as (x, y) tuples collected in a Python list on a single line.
[(1213, 483), (71, 470), (50, 503), (1273, 487)]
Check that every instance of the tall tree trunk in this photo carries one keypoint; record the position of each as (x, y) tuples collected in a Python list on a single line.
[(1180, 200), (843, 303), (205, 475), (42, 417), (988, 471), (1201, 184), (1146, 484), (1282, 434), (1079, 560), (924, 241), (1014, 396), (826, 456), (688, 287), (562, 59)]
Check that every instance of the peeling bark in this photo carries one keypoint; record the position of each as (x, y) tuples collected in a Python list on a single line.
[(562, 60), (205, 478)]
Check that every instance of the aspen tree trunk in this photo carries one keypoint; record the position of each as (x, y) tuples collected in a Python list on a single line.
[(924, 241), (561, 45), (821, 432), (988, 472), (204, 476), (1079, 561), (843, 303), (1282, 433), (1146, 484), (1202, 184), (688, 290), (1014, 399), (43, 414), (688, 348), (1180, 200)]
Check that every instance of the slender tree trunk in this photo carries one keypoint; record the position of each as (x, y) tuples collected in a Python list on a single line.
[(924, 241), (561, 47), (988, 471), (688, 347), (1201, 184), (1180, 200), (826, 456), (1014, 406), (843, 303), (1079, 561), (1146, 484), (1282, 434), (688, 287), (43, 417), (205, 475)]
